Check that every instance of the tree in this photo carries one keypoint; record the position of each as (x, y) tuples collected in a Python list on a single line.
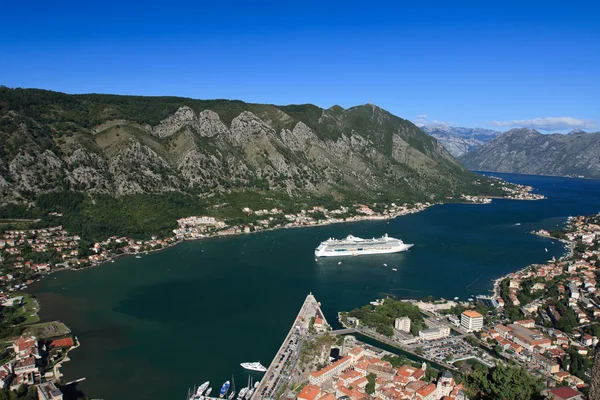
[(502, 382), (370, 388), (595, 382)]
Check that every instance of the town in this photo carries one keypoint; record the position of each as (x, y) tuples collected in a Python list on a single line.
[(544, 319), (37, 350)]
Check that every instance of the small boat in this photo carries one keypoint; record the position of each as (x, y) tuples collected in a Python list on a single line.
[(231, 395), (224, 389), (339, 263), (394, 269), (518, 224), (208, 392), (546, 249), (256, 384), (249, 394), (202, 388), (456, 298), (254, 366), (138, 256), (385, 265), (242, 393)]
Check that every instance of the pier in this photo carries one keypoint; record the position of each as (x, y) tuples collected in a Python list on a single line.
[(284, 363)]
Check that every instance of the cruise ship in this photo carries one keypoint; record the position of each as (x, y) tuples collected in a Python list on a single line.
[(355, 246)]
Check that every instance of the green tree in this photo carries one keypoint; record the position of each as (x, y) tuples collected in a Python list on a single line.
[(370, 388)]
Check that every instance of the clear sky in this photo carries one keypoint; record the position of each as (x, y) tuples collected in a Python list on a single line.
[(467, 63)]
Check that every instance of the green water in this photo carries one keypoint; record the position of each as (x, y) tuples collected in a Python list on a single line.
[(152, 327)]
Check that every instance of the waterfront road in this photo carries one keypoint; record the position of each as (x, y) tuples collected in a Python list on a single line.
[(283, 367)]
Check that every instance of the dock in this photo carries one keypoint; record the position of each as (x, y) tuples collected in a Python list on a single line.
[(284, 363)]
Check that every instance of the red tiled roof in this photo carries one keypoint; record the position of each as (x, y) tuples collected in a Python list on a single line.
[(565, 392), (66, 342), (309, 392), (427, 390), (330, 367)]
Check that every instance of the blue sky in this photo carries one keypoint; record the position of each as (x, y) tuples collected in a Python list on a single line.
[(469, 63)]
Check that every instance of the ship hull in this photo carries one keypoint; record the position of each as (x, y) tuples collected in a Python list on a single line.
[(351, 252)]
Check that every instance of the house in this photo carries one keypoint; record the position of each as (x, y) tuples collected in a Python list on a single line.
[(25, 346), (309, 392), (564, 393), (428, 392), (5, 375), (335, 369), (48, 391), (25, 366)]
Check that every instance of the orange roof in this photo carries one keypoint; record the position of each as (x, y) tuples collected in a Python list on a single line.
[(427, 390), (406, 370), (66, 342), (419, 374), (330, 367), (356, 350), (309, 392), (24, 343), (472, 314), (328, 396)]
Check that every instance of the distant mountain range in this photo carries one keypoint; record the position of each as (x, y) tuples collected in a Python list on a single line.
[(458, 140), (526, 151)]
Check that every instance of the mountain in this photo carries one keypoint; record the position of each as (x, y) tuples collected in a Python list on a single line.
[(458, 140), (526, 151), (131, 145)]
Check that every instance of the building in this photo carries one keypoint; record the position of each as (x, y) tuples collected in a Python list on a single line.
[(471, 321), (25, 366), (434, 333), (309, 392), (25, 346), (335, 369), (47, 391), (445, 384), (402, 324), (564, 393)]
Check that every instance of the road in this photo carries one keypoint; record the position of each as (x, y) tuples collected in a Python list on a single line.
[(283, 367)]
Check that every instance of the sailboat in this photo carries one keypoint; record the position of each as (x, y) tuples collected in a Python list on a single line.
[(232, 394), (243, 392), (250, 390)]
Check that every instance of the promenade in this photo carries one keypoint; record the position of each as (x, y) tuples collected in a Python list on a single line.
[(284, 363)]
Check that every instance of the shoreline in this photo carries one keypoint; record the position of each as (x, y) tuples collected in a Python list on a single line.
[(569, 249), (178, 241)]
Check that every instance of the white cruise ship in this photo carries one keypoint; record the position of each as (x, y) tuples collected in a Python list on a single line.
[(354, 246)]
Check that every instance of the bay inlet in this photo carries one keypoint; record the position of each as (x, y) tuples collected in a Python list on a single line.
[(154, 326)]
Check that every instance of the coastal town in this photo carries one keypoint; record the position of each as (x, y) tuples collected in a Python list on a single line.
[(35, 351)]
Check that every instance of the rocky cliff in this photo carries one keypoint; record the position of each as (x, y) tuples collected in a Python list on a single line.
[(459, 140), (526, 151), (123, 145)]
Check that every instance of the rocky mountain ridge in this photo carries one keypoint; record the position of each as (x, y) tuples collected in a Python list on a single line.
[(527, 151), (127, 145), (459, 140)]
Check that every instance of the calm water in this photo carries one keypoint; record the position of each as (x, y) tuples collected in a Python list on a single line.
[(152, 327)]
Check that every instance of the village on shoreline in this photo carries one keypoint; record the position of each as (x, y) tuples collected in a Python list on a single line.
[(37, 351), (544, 319)]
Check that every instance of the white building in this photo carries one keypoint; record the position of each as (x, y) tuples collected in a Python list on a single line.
[(471, 321), (434, 333), (48, 391), (402, 324)]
